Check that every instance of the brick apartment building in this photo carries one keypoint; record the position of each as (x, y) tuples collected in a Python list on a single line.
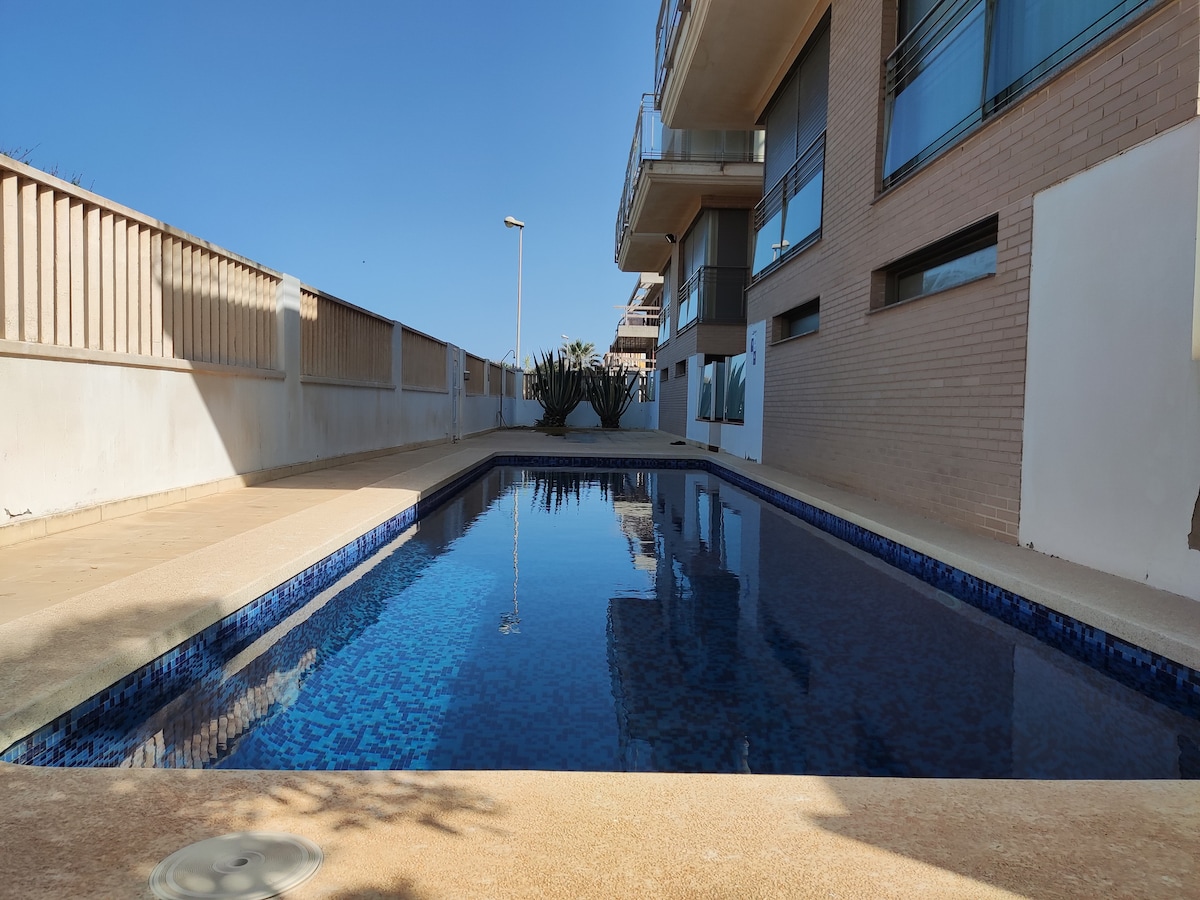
[(943, 254)]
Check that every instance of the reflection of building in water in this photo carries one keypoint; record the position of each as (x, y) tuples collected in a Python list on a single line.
[(689, 698), (631, 502), (199, 728), (771, 648)]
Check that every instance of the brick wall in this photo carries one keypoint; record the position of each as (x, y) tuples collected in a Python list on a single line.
[(921, 404), (672, 400)]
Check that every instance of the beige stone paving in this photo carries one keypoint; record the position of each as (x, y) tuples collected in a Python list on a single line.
[(68, 629), (39, 573)]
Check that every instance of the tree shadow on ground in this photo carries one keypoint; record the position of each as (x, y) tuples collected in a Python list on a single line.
[(100, 832)]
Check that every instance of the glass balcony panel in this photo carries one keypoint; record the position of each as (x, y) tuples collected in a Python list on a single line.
[(768, 242), (716, 294), (802, 213), (652, 140), (670, 21), (939, 96)]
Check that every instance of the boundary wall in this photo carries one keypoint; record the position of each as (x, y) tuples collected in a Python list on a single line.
[(140, 366)]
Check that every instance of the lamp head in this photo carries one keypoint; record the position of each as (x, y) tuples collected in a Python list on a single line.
[(510, 222)]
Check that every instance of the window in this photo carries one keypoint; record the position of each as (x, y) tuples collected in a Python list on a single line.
[(959, 61), (665, 374), (722, 386), (708, 377), (789, 217), (693, 255), (713, 264), (961, 258), (804, 319), (681, 369), (664, 315)]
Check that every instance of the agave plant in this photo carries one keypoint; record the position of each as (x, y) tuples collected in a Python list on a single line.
[(558, 387), (610, 394)]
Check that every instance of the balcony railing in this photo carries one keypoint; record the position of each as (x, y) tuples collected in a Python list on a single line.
[(652, 141), (637, 330), (714, 295), (671, 16), (634, 316)]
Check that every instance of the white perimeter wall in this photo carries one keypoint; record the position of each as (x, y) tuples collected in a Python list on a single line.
[(1111, 465), (80, 433), (639, 417)]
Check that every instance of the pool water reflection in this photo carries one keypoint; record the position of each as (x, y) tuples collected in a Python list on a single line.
[(649, 620)]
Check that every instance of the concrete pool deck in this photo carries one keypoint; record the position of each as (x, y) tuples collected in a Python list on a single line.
[(81, 608)]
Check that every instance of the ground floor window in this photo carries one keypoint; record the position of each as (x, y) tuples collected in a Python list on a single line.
[(965, 256), (722, 389)]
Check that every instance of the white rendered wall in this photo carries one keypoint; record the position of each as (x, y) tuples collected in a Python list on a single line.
[(756, 381), (1111, 464), (637, 418), (83, 433)]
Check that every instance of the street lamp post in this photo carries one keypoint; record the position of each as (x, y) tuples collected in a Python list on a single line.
[(510, 222)]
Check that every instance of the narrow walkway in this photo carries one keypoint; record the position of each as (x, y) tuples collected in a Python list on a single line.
[(80, 609), (45, 571)]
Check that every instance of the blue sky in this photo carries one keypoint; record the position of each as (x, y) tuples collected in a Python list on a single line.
[(370, 149)]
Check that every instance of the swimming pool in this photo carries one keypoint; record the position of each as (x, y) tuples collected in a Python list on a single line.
[(635, 620)]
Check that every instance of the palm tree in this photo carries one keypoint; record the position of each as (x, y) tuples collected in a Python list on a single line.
[(581, 355)]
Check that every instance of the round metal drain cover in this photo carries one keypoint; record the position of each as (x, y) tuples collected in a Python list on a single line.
[(248, 865)]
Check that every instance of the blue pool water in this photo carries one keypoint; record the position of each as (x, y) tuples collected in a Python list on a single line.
[(642, 620)]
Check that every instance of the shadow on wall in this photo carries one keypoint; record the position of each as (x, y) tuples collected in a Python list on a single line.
[(174, 363)]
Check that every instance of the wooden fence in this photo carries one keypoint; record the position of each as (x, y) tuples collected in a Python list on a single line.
[(76, 271), (341, 341)]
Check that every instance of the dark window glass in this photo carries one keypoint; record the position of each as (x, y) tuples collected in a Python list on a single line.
[(963, 257), (704, 404), (804, 319), (1032, 36), (735, 393), (911, 13), (781, 132), (789, 216), (947, 275)]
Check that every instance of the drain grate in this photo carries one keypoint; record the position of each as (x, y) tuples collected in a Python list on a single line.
[(247, 865)]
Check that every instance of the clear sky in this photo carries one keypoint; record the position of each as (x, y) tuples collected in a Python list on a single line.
[(370, 149)]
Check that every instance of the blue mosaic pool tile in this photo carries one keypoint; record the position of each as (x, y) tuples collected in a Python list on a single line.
[(1168, 682)]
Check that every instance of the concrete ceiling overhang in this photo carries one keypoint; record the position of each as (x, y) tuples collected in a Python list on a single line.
[(731, 56), (669, 194)]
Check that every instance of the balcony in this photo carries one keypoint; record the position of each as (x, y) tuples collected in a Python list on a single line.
[(670, 172), (717, 62), (637, 329)]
